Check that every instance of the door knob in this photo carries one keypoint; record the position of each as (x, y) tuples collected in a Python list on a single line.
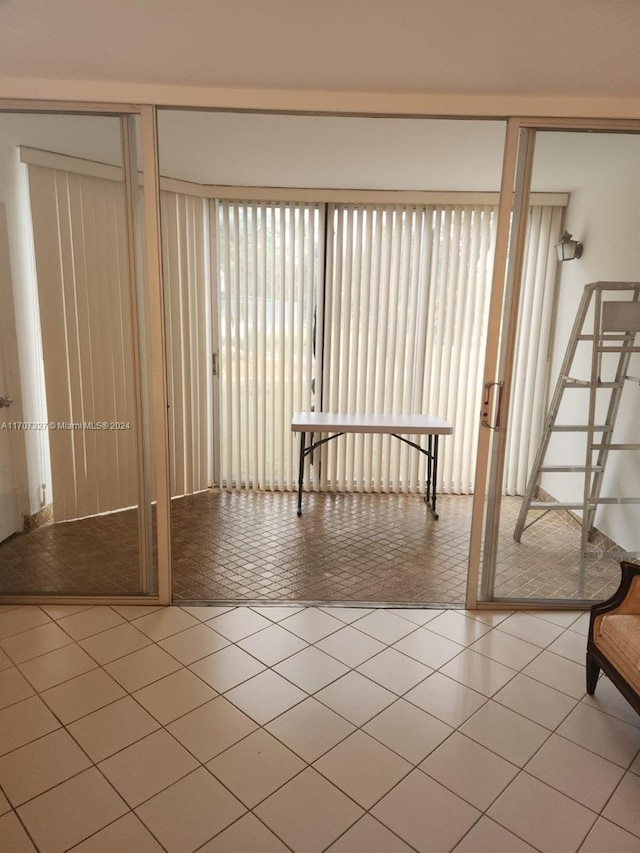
[(5, 402)]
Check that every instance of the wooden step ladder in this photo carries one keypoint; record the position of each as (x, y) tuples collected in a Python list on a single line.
[(616, 323)]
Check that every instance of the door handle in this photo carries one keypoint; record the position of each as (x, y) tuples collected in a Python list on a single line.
[(5, 402), (486, 404)]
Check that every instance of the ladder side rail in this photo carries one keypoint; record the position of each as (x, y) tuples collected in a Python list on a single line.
[(611, 417), (554, 406)]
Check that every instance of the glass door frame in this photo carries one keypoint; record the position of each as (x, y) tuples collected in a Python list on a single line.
[(500, 351), (157, 447)]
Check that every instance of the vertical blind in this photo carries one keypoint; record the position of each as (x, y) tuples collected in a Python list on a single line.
[(189, 332), (530, 375), (407, 295), (268, 267), (81, 253)]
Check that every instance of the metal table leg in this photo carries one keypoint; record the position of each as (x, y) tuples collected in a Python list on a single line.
[(301, 471)]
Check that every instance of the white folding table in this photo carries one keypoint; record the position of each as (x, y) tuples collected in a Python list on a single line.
[(433, 426)]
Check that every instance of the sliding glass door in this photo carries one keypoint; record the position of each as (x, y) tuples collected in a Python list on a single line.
[(563, 504), (75, 474)]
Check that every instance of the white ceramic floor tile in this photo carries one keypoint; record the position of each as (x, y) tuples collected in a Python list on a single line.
[(112, 728), (560, 617), (161, 624), (312, 624), (265, 696), (457, 627), (24, 722), (505, 732), (311, 669), (489, 617), (255, 767), (227, 668), (190, 812), (194, 643), (115, 643), (542, 816), (469, 770), (385, 626), (607, 836), (576, 772), (478, 672), (38, 766), (89, 622), (446, 698), (395, 671), (506, 649), (245, 835), (350, 646), (308, 813), (601, 733), (147, 767), (272, 645), (347, 615), (371, 836), (239, 623), (425, 814), (13, 687), (14, 836), (310, 729), (37, 641), (623, 808), (535, 700), (417, 615), (135, 611), (72, 811), (486, 836), (174, 695), (81, 695), (530, 628), (408, 730), (212, 728), (55, 667), (344, 764), (355, 698), (428, 648), (142, 668), (276, 613), (204, 612), (608, 699), (581, 624), (570, 645), (558, 672), (127, 833), (21, 619), (59, 611)]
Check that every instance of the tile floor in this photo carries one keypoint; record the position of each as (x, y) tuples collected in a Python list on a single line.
[(266, 729), (251, 546)]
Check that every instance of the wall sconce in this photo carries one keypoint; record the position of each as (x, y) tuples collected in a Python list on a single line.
[(568, 248)]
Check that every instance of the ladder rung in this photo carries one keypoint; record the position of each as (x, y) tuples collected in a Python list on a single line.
[(581, 428), (618, 349), (615, 446), (585, 383), (580, 505), (556, 469)]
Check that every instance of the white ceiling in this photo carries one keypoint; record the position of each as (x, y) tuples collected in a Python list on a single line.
[(538, 47)]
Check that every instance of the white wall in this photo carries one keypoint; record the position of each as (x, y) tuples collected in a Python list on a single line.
[(32, 468), (605, 215)]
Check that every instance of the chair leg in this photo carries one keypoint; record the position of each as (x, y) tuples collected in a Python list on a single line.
[(593, 670)]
